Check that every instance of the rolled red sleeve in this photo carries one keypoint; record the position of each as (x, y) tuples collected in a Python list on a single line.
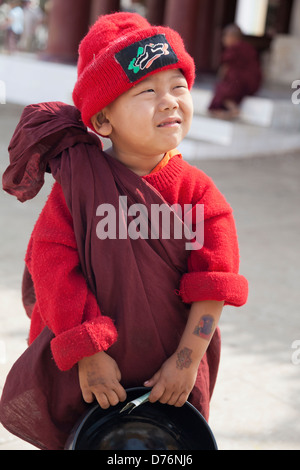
[(229, 287), (83, 341), (213, 270)]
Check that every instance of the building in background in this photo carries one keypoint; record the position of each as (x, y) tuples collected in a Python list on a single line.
[(272, 26)]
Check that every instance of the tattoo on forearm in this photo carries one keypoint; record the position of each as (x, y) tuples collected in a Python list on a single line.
[(184, 359), (205, 327)]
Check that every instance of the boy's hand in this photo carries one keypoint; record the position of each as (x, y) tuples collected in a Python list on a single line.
[(99, 377), (175, 380)]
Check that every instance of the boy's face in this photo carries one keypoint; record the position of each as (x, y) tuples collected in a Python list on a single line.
[(151, 118)]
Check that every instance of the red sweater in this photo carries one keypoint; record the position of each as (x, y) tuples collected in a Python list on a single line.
[(67, 306)]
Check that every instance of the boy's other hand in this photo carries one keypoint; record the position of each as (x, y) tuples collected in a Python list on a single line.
[(174, 381), (99, 377)]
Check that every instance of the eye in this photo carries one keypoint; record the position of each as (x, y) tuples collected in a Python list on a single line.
[(180, 82), (150, 90), (181, 85)]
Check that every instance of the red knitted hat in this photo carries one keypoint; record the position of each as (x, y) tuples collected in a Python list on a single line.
[(119, 51)]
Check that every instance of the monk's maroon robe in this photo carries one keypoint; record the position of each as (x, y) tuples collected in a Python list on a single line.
[(242, 76)]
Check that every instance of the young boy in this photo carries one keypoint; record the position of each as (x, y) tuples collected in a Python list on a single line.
[(124, 310)]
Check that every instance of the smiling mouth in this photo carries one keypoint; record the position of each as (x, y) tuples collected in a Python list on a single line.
[(172, 122)]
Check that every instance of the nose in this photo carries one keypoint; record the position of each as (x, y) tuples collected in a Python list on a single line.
[(168, 102)]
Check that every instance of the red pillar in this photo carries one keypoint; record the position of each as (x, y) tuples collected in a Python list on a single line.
[(156, 11), (68, 24), (103, 7), (213, 16), (182, 16), (204, 36)]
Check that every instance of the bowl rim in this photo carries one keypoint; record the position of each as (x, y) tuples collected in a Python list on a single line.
[(75, 433)]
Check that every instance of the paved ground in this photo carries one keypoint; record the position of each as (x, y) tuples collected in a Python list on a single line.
[(256, 404)]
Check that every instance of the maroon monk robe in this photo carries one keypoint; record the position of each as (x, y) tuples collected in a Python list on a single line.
[(134, 281), (242, 75)]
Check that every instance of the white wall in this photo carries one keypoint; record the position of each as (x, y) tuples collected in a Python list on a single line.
[(251, 16), (28, 81)]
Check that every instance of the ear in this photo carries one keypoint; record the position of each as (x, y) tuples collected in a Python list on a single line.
[(101, 125)]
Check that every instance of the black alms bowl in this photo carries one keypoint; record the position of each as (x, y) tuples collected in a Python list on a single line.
[(151, 426)]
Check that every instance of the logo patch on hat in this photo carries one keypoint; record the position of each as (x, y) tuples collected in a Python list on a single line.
[(143, 57)]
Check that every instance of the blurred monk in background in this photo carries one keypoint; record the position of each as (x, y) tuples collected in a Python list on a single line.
[(240, 74)]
